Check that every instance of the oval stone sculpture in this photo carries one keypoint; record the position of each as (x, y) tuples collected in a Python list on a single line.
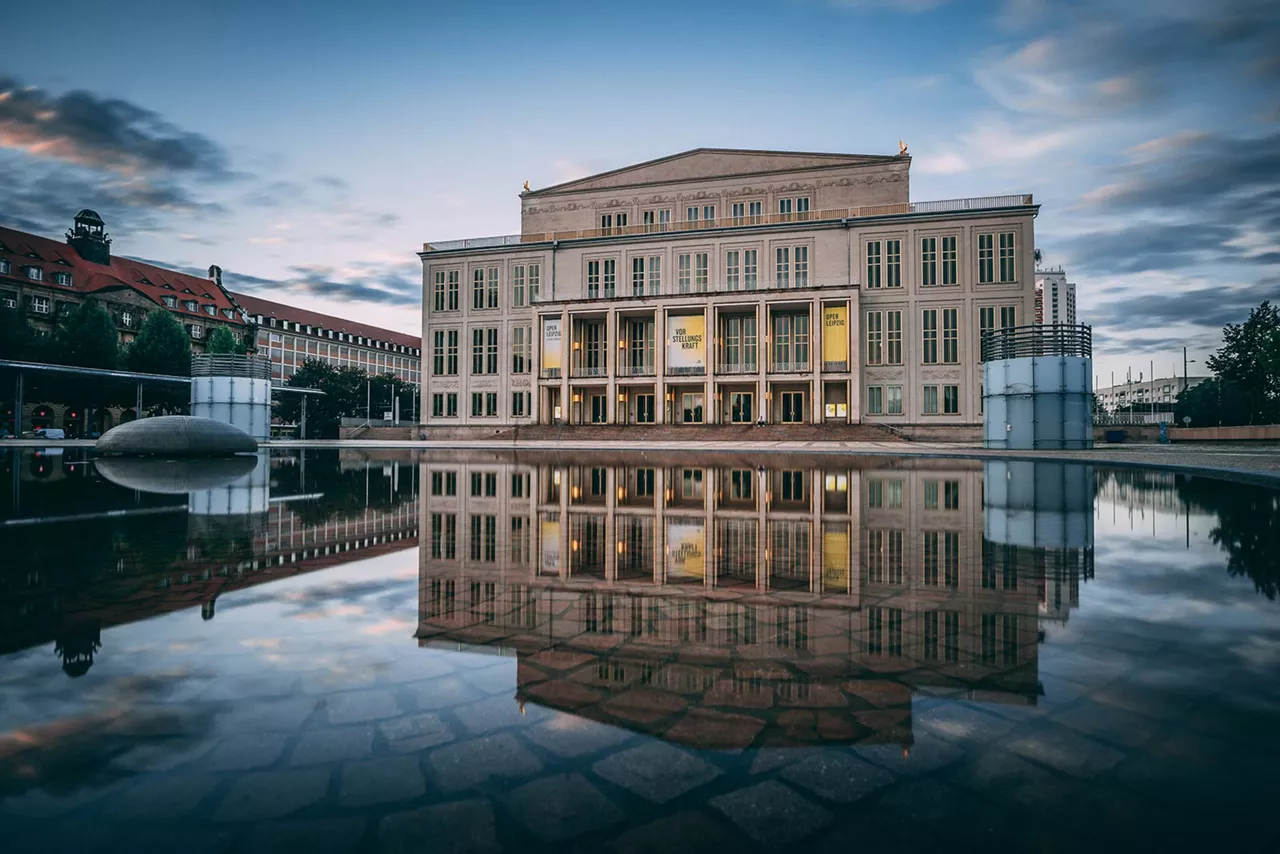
[(176, 436)]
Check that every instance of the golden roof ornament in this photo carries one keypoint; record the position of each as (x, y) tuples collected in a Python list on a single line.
[(902, 148)]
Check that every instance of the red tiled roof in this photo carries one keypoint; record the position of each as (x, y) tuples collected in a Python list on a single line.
[(267, 308), (88, 277)]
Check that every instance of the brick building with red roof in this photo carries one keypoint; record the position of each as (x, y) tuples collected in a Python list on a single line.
[(47, 279)]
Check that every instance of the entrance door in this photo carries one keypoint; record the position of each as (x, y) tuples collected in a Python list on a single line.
[(792, 407), (644, 409), (599, 412), (691, 407), (740, 408)]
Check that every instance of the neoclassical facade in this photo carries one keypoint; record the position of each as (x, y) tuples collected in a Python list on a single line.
[(726, 286)]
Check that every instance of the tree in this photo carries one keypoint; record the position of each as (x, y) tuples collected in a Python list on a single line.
[(20, 341), (87, 338), (162, 347), (345, 391), (1212, 403), (223, 343), (1249, 365)]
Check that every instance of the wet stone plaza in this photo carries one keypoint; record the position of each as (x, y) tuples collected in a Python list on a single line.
[(479, 651)]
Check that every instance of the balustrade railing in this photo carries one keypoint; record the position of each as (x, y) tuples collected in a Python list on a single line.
[(790, 367)]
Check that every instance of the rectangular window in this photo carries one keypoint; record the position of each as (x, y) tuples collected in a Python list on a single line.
[(518, 404), (451, 354), (437, 302), (931, 400), (802, 207), (521, 349), (733, 267), (783, 278), (593, 280), (691, 216), (684, 273), (951, 495), (491, 404), (637, 277), (451, 405), (750, 268), (929, 336), (437, 405), (928, 261), (930, 495), (986, 259), (893, 263), (1008, 316), (517, 286), (708, 215), (477, 351), (477, 288), (791, 342), (535, 282), (1008, 267), (951, 400), (477, 404), (875, 337), (610, 278), (738, 212), (949, 260), (893, 322), (875, 400), (437, 353), (873, 264), (802, 266), (784, 206), (894, 395), (701, 273), (655, 275), (740, 407), (950, 336)]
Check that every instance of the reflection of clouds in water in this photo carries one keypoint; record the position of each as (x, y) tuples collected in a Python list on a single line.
[(390, 626), (261, 643), (1258, 651)]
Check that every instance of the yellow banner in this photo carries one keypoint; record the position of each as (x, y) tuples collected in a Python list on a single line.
[(835, 560), (687, 344), (835, 333), (686, 550), (550, 546), (552, 344)]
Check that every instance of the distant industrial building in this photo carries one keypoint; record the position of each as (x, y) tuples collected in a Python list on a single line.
[(1161, 392)]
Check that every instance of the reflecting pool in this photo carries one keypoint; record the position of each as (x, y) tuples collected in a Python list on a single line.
[(487, 651)]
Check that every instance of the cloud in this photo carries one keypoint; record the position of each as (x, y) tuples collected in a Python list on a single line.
[(103, 133), (391, 284), (1210, 305), (945, 163), (909, 6)]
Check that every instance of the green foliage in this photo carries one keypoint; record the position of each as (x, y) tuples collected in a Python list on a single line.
[(348, 393), (161, 347), (1248, 367), (87, 338), (20, 341), (223, 343), (1212, 403), (1247, 528)]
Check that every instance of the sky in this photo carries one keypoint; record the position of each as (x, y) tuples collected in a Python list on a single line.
[(310, 148)]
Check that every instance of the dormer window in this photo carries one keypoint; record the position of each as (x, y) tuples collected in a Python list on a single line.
[(228, 314), (188, 291), (35, 274), (211, 310), (145, 281), (167, 286), (62, 278), (189, 304), (4, 266), (170, 302), (272, 323)]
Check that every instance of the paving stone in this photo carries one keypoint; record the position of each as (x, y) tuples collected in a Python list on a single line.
[(561, 807), (932, 804), (164, 755), (644, 705), (771, 758), (161, 797), (416, 732), (960, 722), (314, 836), (494, 679), (1067, 751), (38, 803), (771, 813), (1111, 723), (462, 827), (272, 794), (469, 763), (712, 730), (333, 744), (837, 776), (379, 781), (570, 736), (426, 665), (1004, 777), (563, 694), (682, 833), (241, 753), (498, 713), (186, 840), (444, 692), (361, 706), (928, 753), (656, 771), (267, 715)]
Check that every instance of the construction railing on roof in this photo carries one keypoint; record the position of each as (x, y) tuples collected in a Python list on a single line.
[(251, 367), (734, 221)]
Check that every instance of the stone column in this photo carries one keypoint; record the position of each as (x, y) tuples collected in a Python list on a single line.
[(612, 360), (818, 394), (660, 364), (566, 363)]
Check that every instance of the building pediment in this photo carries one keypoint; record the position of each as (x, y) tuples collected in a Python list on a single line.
[(703, 164)]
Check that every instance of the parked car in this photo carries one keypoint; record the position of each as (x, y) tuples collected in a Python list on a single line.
[(48, 433)]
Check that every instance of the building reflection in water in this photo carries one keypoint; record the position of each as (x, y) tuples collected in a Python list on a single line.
[(95, 544), (730, 605)]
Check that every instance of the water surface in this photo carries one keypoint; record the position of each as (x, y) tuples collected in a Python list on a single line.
[(340, 651)]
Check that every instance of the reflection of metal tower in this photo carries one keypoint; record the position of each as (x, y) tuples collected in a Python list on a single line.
[(1041, 514)]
